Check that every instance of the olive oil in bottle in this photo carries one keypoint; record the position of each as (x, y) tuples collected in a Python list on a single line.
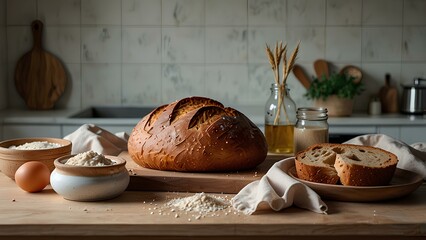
[(280, 118), (279, 138)]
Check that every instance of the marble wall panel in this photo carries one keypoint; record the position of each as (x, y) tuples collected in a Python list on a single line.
[(150, 52)]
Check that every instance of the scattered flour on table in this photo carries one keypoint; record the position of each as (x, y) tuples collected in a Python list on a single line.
[(90, 159), (36, 145), (200, 202)]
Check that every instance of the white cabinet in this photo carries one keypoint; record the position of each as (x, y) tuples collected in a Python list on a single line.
[(352, 130), (407, 134), (392, 131), (23, 130), (413, 134)]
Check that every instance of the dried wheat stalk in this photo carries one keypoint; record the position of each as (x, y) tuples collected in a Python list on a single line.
[(275, 58)]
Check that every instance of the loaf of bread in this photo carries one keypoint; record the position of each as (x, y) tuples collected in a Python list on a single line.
[(352, 165), (197, 134)]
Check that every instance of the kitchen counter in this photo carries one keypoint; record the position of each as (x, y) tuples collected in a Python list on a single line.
[(255, 114), (46, 215), (57, 123)]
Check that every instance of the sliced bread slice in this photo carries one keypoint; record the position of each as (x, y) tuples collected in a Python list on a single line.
[(364, 165), (316, 164), (353, 165)]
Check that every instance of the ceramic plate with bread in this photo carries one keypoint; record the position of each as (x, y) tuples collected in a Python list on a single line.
[(354, 173), (350, 165)]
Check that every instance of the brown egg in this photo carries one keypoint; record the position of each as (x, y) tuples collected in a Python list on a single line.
[(32, 176)]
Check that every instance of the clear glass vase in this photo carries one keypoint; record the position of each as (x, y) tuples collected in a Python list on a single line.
[(280, 118)]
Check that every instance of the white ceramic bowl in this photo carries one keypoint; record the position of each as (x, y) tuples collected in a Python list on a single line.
[(12, 159), (87, 183)]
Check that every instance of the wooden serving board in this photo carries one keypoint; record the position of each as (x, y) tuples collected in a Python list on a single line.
[(144, 179), (40, 77)]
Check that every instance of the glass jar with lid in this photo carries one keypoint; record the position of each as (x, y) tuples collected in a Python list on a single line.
[(311, 128)]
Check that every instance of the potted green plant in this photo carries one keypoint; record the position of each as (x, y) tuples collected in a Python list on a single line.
[(336, 93)]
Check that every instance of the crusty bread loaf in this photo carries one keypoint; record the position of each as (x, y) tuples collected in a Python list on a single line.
[(353, 165), (197, 134)]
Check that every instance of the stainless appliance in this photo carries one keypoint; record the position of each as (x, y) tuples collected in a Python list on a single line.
[(414, 97)]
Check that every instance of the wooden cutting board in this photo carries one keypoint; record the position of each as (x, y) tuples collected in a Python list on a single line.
[(388, 95), (144, 179), (40, 77)]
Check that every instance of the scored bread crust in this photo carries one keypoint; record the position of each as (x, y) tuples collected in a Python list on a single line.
[(353, 165), (197, 134)]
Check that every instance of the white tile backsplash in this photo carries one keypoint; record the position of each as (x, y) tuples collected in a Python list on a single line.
[(141, 84), (344, 12), (64, 12), (226, 45), (227, 83), (183, 44), (19, 42), (260, 78), (101, 12), (183, 12), (24, 12), (71, 98), (226, 12), (14, 99), (382, 12), (141, 12), (141, 45), (312, 42), (150, 52), (258, 37), (343, 44), (101, 44), (3, 56), (374, 79), (63, 42), (182, 80), (414, 12), (101, 84), (409, 71), (3, 14), (414, 43), (306, 12), (381, 44), (267, 12)]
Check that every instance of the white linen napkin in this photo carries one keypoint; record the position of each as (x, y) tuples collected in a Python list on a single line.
[(411, 157), (277, 190), (91, 137)]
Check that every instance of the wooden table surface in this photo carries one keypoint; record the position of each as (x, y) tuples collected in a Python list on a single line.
[(134, 214)]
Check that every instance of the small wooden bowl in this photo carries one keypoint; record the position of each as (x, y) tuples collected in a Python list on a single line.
[(352, 71), (12, 159)]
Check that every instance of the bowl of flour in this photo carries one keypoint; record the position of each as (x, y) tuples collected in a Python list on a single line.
[(15, 152), (89, 176)]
